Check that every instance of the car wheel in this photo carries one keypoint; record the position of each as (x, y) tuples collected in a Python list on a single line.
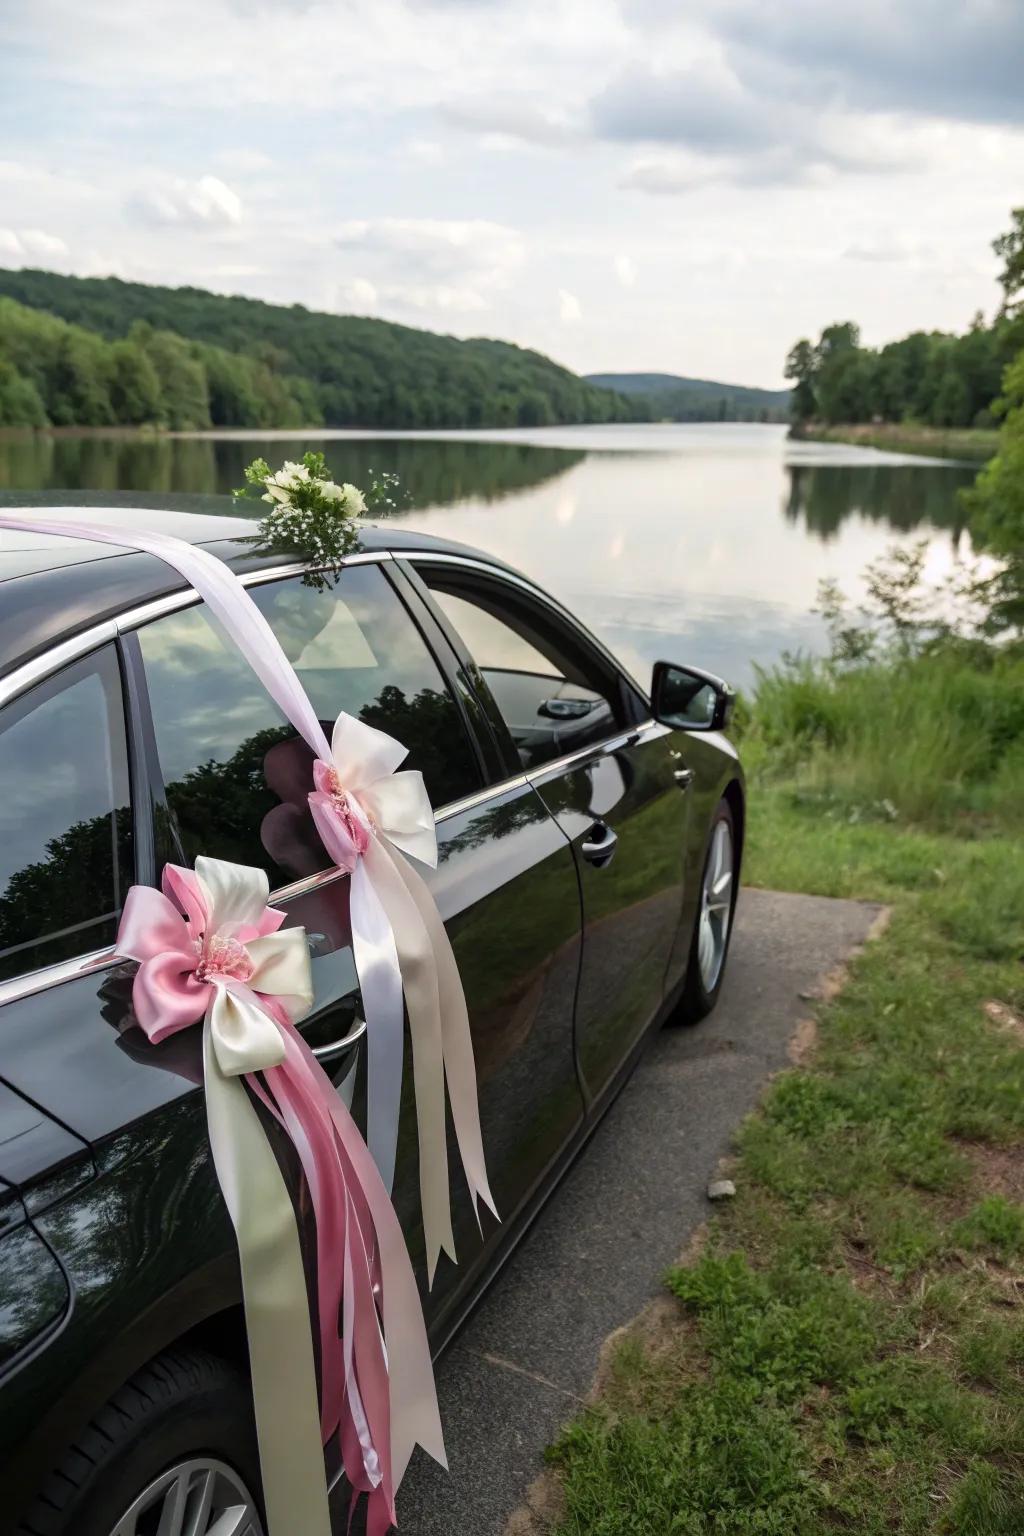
[(712, 928), (173, 1451)]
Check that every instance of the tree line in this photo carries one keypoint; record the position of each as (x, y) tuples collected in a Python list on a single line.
[(973, 380), (100, 352), (929, 378)]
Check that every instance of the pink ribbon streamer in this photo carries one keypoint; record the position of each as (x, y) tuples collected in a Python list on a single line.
[(377, 1393)]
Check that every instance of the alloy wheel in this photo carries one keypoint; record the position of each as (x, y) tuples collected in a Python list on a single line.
[(200, 1497), (715, 906)]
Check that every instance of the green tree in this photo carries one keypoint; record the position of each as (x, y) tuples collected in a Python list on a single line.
[(801, 368), (183, 386), (20, 402), (1009, 247), (996, 508), (79, 383), (134, 385), (844, 336)]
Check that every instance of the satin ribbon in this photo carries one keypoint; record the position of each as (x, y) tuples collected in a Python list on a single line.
[(369, 816), (210, 948)]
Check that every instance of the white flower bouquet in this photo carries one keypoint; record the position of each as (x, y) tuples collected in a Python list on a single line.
[(310, 514)]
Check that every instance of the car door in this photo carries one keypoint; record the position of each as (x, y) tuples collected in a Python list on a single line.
[(232, 782), (613, 779)]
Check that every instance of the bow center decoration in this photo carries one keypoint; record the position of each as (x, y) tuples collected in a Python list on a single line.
[(210, 948)]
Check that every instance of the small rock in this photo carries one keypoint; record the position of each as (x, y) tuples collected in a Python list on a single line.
[(721, 1189)]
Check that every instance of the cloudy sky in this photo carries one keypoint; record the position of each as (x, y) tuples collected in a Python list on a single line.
[(625, 184)]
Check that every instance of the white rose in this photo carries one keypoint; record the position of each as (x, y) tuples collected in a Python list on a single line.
[(355, 501)]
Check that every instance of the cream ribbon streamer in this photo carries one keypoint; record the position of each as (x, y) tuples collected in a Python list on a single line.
[(209, 945)]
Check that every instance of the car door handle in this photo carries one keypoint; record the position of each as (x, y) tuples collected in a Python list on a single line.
[(684, 777), (337, 1047), (598, 847)]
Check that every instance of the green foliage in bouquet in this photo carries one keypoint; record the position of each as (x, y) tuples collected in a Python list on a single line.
[(310, 514)]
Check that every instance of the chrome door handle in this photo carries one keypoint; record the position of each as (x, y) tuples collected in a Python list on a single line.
[(599, 850), (336, 1047), (684, 777)]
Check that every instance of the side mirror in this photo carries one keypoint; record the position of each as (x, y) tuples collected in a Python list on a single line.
[(689, 699)]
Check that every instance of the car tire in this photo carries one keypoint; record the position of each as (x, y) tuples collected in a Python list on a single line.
[(702, 987), (184, 1406)]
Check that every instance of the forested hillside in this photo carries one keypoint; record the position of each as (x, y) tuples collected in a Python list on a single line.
[(101, 352), (668, 397)]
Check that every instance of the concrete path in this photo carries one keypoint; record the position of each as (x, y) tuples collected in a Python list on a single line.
[(527, 1356)]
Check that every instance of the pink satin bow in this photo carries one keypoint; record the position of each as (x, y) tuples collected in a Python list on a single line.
[(210, 947), (182, 958)]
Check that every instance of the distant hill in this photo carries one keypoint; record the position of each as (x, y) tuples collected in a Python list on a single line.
[(99, 352), (667, 396)]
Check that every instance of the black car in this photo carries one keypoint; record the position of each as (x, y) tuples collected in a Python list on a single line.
[(590, 843)]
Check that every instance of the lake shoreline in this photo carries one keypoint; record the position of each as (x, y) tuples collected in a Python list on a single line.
[(974, 443)]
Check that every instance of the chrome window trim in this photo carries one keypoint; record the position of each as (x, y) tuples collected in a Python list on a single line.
[(514, 579), (53, 975), (606, 748), (101, 959), (66, 651), (60, 655)]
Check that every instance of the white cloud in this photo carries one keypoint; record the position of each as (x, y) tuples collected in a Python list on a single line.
[(624, 268), (426, 151), (666, 174), (243, 161), (451, 266), (361, 295), (29, 244), (891, 245), (208, 202), (510, 120), (569, 307)]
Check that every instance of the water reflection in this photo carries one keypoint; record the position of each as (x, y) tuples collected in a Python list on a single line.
[(446, 472), (690, 542), (904, 497)]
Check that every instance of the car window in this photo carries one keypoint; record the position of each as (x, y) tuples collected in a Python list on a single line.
[(552, 694), (236, 775), (65, 817)]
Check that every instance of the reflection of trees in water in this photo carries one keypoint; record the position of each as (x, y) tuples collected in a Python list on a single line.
[(222, 806), (74, 884), (431, 472), (906, 497), (218, 807), (568, 792)]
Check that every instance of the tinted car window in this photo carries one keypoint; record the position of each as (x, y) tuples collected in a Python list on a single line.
[(236, 774), (551, 697), (65, 821)]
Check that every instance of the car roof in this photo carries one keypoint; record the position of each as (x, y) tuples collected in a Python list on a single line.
[(52, 588)]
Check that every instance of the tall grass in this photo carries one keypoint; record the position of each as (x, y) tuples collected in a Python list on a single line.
[(934, 736)]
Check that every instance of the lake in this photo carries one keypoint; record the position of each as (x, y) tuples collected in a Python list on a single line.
[(699, 543)]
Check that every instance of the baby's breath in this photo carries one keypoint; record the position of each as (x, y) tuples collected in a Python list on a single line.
[(310, 514)]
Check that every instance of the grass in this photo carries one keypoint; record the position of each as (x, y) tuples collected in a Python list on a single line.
[(846, 1353), (906, 437)]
